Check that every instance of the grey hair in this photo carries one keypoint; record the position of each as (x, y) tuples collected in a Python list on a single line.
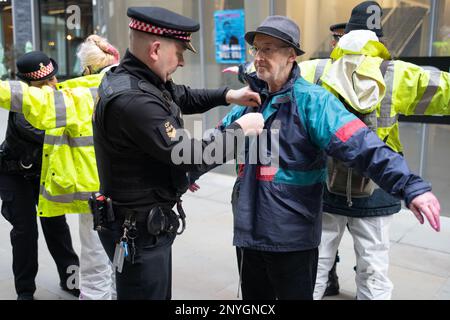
[(97, 53)]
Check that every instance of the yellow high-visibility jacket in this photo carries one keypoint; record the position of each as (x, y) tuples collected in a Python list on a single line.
[(69, 169), (405, 88)]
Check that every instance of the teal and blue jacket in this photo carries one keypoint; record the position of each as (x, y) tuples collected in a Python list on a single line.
[(280, 207)]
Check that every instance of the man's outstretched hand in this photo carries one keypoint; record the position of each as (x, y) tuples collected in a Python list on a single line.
[(427, 205)]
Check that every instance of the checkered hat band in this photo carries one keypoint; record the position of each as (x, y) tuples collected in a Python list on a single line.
[(41, 73), (145, 27)]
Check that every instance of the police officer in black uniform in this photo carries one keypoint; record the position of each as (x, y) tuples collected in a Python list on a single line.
[(20, 168), (137, 116), (337, 31)]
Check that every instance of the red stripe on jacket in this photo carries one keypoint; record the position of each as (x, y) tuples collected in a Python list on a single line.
[(241, 169), (348, 130), (266, 173)]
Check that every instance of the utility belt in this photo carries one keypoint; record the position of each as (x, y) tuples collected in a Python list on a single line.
[(17, 167), (160, 220)]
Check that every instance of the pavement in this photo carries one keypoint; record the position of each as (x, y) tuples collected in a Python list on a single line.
[(204, 263)]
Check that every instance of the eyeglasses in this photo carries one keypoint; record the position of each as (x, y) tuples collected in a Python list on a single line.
[(265, 51)]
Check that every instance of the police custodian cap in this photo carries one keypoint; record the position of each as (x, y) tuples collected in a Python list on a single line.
[(339, 26), (36, 66), (164, 23)]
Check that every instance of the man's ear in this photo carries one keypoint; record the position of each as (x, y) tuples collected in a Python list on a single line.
[(292, 55), (154, 50)]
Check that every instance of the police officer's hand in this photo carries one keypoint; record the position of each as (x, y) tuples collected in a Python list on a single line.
[(251, 124), (244, 97), (194, 187), (427, 205)]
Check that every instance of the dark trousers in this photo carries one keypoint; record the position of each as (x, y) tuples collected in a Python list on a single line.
[(150, 277), (19, 200), (277, 275)]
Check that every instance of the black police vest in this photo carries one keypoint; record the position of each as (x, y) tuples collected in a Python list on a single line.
[(20, 154), (125, 177)]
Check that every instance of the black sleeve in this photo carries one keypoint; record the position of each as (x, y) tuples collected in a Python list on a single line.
[(194, 176), (27, 131), (145, 121), (192, 101)]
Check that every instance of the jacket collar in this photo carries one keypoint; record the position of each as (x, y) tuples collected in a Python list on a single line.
[(139, 69), (108, 68)]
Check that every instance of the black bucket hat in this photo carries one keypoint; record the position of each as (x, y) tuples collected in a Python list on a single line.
[(36, 66), (279, 27), (360, 18)]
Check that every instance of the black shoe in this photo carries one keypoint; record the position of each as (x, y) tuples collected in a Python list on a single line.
[(331, 290), (333, 283), (75, 292), (25, 296)]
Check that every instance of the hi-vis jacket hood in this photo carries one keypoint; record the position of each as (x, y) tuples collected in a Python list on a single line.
[(355, 74)]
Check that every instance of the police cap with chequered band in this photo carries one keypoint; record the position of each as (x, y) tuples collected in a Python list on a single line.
[(164, 23), (338, 29), (36, 66)]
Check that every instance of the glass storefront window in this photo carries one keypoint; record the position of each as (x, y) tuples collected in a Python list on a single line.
[(433, 166), (60, 33), (441, 45), (111, 21), (404, 37), (6, 40)]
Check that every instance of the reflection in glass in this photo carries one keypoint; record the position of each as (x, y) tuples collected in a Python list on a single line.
[(61, 39)]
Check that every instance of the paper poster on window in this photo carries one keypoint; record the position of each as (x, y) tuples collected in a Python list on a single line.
[(230, 32)]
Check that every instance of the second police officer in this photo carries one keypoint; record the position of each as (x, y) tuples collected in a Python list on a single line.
[(138, 114), (20, 173)]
